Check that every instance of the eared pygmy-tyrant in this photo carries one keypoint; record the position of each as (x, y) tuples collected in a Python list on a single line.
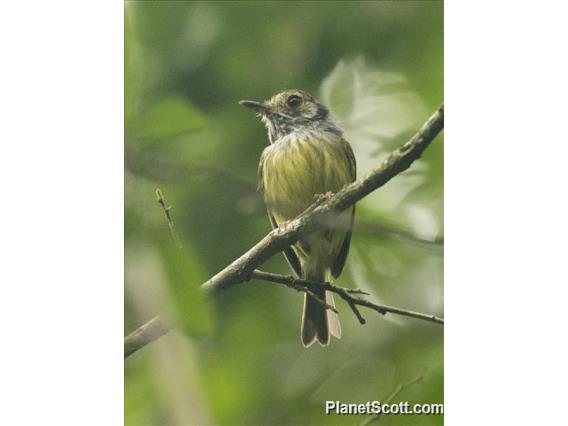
[(307, 156)]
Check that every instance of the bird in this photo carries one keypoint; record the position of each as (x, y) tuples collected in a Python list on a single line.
[(307, 157)]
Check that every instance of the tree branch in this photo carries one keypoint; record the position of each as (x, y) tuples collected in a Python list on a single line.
[(318, 215), (152, 330), (345, 293)]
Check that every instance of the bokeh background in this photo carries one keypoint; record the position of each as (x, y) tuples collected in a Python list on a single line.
[(236, 358)]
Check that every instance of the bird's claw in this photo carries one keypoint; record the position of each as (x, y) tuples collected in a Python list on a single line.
[(327, 196)]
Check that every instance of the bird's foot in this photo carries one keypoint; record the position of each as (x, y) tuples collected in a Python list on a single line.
[(321, 197)]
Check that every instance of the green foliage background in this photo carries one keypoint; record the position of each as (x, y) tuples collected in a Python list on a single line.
[(237, 359)]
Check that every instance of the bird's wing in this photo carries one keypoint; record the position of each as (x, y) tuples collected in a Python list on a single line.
[(339, 261), (289, 254)]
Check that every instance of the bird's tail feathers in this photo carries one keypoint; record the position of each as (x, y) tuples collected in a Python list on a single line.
[(317, 321)]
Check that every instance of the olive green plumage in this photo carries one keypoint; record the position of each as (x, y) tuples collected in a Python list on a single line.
[(307, 156)]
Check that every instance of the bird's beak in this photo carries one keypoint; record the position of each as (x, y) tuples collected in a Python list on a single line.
[(257, 106)]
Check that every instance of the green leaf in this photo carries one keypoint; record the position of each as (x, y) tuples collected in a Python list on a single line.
[(168, 118), (185, 273), (131, 69)]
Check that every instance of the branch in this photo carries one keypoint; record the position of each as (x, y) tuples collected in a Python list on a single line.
[(152, 330), (315, 217), (345, 293), (241, 269), (155, 328)]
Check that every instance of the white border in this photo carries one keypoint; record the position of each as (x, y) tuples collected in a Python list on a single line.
[(506, 213), (61, 171)]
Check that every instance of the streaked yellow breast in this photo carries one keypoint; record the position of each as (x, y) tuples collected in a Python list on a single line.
[(299, 167)]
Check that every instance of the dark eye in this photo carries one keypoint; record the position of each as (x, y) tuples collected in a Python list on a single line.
[(294, 101)]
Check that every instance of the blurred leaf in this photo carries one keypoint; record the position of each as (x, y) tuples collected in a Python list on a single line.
[(158, 23), (375, 108), (168, 118), (186, 274), (139, 390), (131, 69), (373, 105)]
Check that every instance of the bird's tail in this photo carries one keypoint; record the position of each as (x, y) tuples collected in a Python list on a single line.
[(317, 321)]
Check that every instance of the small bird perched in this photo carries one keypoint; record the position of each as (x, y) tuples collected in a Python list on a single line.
[(307, 156)]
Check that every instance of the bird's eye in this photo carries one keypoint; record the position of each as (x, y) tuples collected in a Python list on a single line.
[(294, 101)]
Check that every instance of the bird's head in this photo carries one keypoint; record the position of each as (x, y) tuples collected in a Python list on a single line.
[(289, 111)]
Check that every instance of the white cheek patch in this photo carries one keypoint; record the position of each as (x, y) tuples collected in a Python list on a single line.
[(281, 114)]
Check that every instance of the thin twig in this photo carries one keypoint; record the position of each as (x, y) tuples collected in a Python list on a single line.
[(166, 208), (345, 293), (399, 388), (155, 328)]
